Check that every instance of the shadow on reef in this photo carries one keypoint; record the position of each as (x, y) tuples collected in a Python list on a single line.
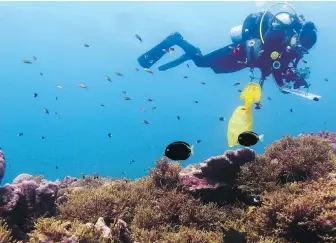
[(287, 194)]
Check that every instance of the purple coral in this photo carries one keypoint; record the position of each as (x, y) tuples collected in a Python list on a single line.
[(20, 203), (2, 165), (213, 179)]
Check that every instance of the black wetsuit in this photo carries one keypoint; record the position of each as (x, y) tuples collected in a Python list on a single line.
[(230, 58)]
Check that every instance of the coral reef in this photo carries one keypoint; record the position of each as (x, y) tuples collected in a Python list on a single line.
[(287, 194), (2, 165), (290, 159)]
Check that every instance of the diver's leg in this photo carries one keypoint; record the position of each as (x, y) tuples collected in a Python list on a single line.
[(223, 60)]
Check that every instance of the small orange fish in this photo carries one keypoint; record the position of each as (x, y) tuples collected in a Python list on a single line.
[(148, 70)]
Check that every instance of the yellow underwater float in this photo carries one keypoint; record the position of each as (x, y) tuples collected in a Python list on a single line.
[(241, 119)]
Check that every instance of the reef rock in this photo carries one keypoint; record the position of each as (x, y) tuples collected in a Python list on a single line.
[(2, 165), (23, 177), (103, 228), (214, 179), (20, 203)]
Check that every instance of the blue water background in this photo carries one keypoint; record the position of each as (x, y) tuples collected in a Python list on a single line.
[(55, 33)]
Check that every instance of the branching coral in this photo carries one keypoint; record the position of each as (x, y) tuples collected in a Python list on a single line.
[(53, 230), (5, 233), (298, 212), (116, 200), (166, 174), (180, 235), (175, 209), (289, 159)]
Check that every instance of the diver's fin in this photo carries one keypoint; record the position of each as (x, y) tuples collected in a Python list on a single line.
[(156, 53), (261, 137), (151, 57), (192, 150), (174, 63)]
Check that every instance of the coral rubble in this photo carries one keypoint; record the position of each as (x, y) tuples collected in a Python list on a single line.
[(287, 194)]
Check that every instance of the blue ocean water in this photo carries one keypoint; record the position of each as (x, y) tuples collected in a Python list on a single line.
[(77, 141)]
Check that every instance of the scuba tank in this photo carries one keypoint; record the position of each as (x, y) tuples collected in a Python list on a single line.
[(236, 34)]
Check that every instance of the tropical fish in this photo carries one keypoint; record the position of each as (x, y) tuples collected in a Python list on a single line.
[(86, 45), (258, 106), (145, 121), (35, 95), (60, 86), (46, 111), (126, 98), (148, 70), (138, 37), (83, 86), (109, 135), (27, 61), (249, 138), (179, 150), (119, 74), (108, 78)]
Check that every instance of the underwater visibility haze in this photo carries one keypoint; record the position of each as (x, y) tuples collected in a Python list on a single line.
[(76, 100)]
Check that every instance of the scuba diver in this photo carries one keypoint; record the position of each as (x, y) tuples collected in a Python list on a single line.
[(273, 43)]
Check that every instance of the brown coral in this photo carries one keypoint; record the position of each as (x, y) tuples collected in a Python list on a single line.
[(5, 233), (297, 212), (166, 174), (290, 159), (53, 230)]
